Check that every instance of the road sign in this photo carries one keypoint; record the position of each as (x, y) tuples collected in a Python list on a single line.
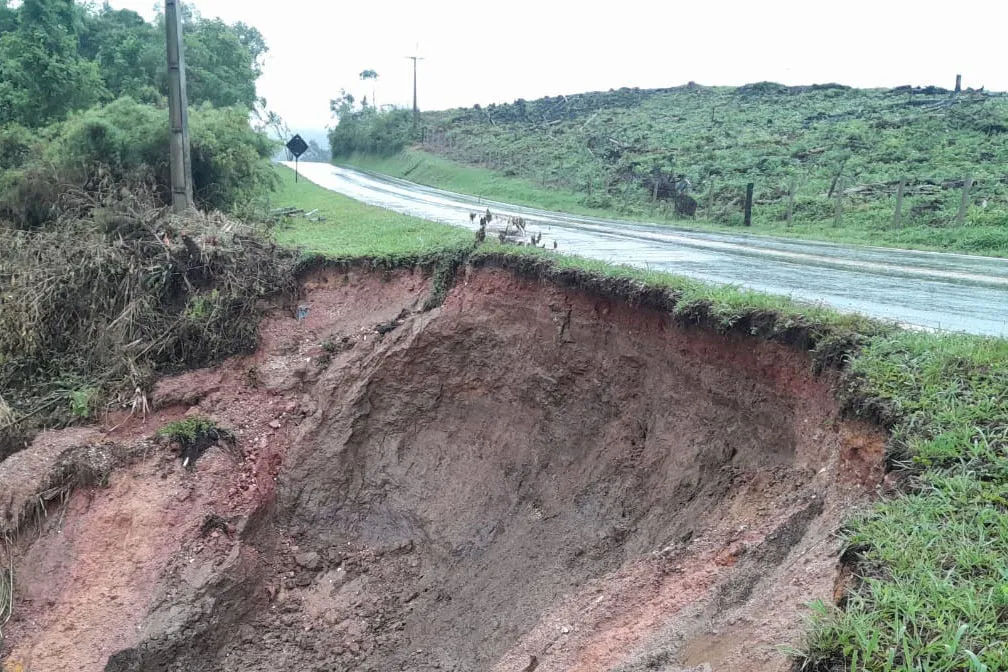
[(297, 146)]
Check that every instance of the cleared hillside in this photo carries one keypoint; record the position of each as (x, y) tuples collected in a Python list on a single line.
[(834, 155)]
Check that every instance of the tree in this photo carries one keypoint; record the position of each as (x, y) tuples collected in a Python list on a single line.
[(373, 76), (221, 67), (342, 106), (318, 153), (129, 52), (273, 125), (57, 56), (8, 18), (42, 75)]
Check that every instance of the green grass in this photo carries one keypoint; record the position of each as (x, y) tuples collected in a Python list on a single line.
[(435, 171), (191, 429), (932, 562), (353, 230)]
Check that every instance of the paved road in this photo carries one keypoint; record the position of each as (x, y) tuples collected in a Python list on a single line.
[(922, 289)]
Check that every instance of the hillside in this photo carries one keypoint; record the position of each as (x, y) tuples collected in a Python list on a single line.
[(842, 152)]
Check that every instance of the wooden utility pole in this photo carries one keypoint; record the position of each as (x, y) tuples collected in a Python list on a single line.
[(898, 215), (178, 111), (416, 110), (748, 204), (964, 203)]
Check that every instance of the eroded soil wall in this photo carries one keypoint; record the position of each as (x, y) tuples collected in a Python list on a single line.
[(525, 478)]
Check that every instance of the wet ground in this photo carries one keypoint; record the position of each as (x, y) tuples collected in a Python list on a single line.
[(924, 289)]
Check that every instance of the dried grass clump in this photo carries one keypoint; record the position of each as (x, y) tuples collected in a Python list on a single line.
[(118, 290), (6, 584), (8, 435)]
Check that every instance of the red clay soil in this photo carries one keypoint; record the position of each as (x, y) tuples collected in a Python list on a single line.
[(525, 478)]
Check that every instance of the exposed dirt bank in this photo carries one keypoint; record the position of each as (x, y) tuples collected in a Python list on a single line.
[(525, 478)]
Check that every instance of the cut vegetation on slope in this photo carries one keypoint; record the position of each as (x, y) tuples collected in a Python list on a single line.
[(832, 156), (115, 292)]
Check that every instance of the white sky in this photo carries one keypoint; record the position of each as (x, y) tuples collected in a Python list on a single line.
[(483, 51)]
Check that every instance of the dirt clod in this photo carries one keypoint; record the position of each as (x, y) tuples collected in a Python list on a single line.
[(309, 560)]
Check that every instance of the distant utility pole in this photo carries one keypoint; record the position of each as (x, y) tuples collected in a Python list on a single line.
[(416, 110), (178, 110)]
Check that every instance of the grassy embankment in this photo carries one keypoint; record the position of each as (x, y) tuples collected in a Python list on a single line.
[(931, 563), (352, 230), (600, 153)]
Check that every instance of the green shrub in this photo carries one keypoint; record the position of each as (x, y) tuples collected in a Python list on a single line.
[(129, 141), (15, 146), (372, 132), (191, 429), (230, 161), (82, 402)]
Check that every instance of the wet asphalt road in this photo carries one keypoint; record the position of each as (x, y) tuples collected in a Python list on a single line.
[(922, 289)]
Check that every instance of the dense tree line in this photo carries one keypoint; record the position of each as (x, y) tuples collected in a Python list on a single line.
[(82, 87), (57, 56), (366, 129)]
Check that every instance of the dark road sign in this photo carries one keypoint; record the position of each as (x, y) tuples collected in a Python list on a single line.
[(297, 146)]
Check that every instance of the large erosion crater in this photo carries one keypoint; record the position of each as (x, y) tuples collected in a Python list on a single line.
[(527, 477)]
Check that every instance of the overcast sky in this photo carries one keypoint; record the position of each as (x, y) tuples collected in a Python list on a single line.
[(493, 51)]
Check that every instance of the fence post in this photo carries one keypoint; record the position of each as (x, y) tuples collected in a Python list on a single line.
[(898, 215), (748, 204), (790, 201), (838, 215), (710, 200), (964, 203), (836, 178)]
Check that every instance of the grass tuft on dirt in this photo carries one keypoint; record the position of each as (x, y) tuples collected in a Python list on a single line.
[(195, 434), (193, 429)]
